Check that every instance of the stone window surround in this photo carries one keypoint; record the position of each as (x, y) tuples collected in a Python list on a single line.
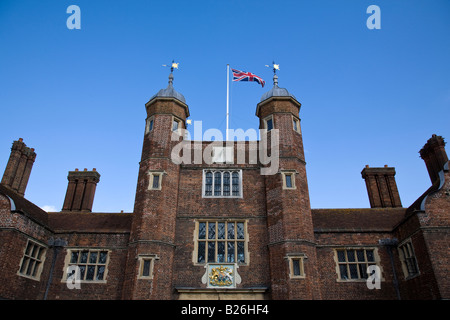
[(146, 257), (147, 124), (179, 123), (231, 183), (406, 273), (296, 256), (376, 262), (266, 119), (195, 237), (40, 259), (90, 249), (291, 173), (152, 174), (297, 122)]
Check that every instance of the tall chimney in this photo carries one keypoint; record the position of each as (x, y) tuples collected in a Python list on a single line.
[(81, 190), (381, 187), (19, 167), (434, 155)]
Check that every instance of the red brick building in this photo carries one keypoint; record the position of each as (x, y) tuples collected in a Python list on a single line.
[(210, 222)]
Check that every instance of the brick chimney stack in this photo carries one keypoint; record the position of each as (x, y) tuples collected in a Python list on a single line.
[(381, 187), (81, 190), (434, 155), (19, 167)]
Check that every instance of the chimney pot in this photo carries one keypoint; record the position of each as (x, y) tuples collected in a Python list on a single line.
[(434, 155), (81, 190), (381, 187), (19, 167)]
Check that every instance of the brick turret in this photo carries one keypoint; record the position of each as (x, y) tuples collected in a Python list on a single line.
[(291, 237), (153, 228)]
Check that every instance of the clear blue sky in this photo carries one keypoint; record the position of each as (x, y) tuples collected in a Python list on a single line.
[(368, 96)]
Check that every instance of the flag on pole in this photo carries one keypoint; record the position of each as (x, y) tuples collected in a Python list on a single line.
[(247, 76)]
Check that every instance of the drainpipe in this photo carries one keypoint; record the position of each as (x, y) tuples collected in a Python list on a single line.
[(389, 244), (57, 245)]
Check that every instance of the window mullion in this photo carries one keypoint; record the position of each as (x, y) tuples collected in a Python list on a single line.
[(235, 242), (216, 246), (214, 183), (357, 265), (207, 236)]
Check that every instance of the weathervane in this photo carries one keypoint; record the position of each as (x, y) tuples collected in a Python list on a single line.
[(275, 68), (172, 66)]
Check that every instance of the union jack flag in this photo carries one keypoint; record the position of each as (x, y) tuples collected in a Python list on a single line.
[(247, 76)]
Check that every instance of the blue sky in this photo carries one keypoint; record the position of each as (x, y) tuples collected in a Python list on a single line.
[(368, 96)]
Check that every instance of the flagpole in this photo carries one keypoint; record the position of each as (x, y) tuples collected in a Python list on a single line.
[(228, 97)]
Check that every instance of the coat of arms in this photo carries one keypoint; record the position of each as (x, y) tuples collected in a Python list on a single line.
[(221, 276)]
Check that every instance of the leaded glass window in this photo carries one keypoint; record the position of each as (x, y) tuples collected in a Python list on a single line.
[(208, 184), (222, 183), (221, 242), (155, 180), (146, 264), (91, 263), (353, 263), (296, 269), (31, 264), (408, 258)]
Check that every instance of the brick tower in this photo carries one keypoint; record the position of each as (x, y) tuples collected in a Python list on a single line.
[(291, 239), (151, 246)]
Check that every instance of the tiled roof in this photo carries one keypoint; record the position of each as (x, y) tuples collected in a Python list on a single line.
[(357, 220), (21, 204), (90, 222)]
